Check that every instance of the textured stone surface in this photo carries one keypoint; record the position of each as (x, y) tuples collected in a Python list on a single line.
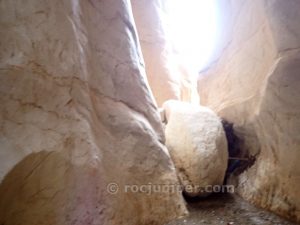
[(76, 114), (255, 84), (167, 79), (228, 210), (197, 145)]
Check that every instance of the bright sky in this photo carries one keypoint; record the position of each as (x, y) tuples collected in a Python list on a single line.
[(192, 27)]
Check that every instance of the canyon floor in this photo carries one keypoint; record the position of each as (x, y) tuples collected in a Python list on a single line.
[(228, 210)]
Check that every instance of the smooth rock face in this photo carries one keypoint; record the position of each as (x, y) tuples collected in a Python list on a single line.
[(255, 84), (76, 114), (167, 79), (197, 144)]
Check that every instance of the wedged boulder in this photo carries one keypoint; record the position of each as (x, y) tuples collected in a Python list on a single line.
[(197, 144)]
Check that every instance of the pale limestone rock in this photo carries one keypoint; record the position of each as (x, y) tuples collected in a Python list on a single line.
[(155, 48), (255, 84), (197, 145), (76, 114), (167, 78)]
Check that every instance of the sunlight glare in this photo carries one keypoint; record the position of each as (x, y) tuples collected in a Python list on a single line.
[(192, 27)]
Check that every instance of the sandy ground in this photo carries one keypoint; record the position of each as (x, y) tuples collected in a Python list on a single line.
[(227, 209)]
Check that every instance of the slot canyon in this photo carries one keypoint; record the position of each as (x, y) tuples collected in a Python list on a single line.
[(101, 124)]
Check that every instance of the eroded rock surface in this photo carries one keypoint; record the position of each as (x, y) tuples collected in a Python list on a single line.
[(197, 145), (255, 85), (76, 114)]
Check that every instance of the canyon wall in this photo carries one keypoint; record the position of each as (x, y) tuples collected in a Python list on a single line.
[(254, 83), (167, 78), (76, 114)]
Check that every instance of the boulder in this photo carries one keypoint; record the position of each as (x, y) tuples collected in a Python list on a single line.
[(197, 144)]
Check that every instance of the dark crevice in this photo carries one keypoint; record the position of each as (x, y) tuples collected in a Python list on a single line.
[(239, 158)]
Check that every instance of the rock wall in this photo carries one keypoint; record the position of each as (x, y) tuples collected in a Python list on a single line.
[(76, 114), (254, 83), (167, 78)]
